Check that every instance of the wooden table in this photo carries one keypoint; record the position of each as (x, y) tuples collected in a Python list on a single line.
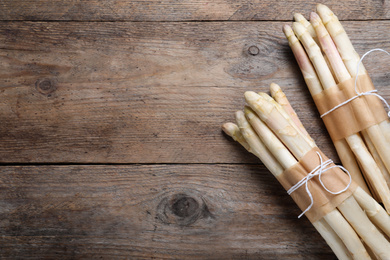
[(110, 140)]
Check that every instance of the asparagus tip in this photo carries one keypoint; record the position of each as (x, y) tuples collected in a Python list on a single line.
[(298, 17), (251, 96), (314, 15), (229, 128), (249, 113), (299, 29), (266, 96), (325, 13), (287, 30), (322, 7), (274, 88), (315, 19), (238, 114)]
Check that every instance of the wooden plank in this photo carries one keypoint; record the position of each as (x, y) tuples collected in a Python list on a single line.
[(151, 211), (148, 92), (173, 10)]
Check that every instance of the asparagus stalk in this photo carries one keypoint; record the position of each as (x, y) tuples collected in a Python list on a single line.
[(349, 208), (376, 156), (373, 210), (287, 116), (300, 19), (280, 126), (307, 69), (364, 227), (347, 235), (314, 52), (351, 60), (314, 85), (329, 48), (277, 122), (332, 239), (354, 141), (256, 146), (341, 39), (374, 132), (278, 95), (321, 226), (278, 150), (233, 131)]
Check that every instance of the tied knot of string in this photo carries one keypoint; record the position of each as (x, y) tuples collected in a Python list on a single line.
[(359, 94), (318, 171)]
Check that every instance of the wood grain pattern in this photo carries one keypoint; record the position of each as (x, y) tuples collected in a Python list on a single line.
[(151, 211), (148, 92), (184, 10), (142, 87)]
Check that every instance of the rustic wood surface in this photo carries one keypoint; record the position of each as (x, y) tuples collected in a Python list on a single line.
[(110, 140), (173, 10)]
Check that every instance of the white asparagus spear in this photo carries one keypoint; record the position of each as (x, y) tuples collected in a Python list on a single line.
[(286, 115), (277, 149), (282, 154), (374, 173), (314, 53), (233, 131), (347, 235), (373, 210), (332, 239), (364, 227), (314, 86), (280, 126), (354, 141), (302, 20), (321, 226), (376, 156), (341, 39), (308, 72), (367, 231), (351, 59), (329, 48), (257, 147), (278, 95), (277, 122)]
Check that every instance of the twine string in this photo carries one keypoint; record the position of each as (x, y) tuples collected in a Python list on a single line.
[(359, 94), (318, 171)]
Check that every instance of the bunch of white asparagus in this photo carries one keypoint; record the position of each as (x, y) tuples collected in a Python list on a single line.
[(358, 228), (326, 58)]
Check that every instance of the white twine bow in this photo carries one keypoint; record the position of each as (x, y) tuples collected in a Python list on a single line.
[(318, 171), (371, 92)]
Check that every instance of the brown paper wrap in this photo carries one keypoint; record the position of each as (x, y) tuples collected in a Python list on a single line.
[(353, 117), (323, 202)]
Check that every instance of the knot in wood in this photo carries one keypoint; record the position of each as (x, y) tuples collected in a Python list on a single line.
[(185, 206), (182, 209), (253, 50), (45, 86)]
